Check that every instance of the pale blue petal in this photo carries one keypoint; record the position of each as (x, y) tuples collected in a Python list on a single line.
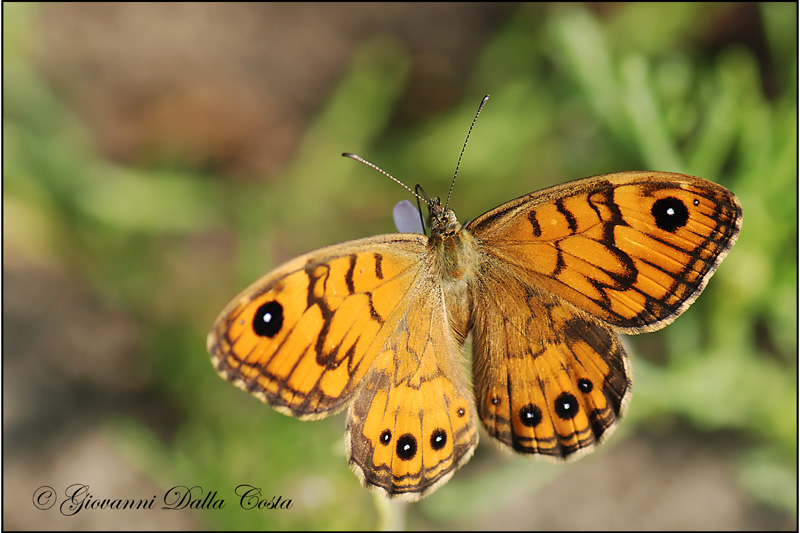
[(406, 218)]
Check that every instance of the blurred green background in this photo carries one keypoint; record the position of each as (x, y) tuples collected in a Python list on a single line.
[(160, 157)]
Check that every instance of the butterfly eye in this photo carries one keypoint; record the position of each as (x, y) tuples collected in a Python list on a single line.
[(670, 214), (268, 320), (406, 447), (438, 439), (566, 406)]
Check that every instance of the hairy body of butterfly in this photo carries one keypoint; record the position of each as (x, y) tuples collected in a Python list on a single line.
[(543, 282)]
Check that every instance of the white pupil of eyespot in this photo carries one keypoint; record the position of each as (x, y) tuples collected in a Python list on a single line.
[(670, 211), (267, 317)]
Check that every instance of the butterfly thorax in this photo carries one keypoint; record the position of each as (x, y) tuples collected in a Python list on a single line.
[(453, 259)]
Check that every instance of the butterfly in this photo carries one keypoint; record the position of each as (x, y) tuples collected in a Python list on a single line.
[(544, 284)]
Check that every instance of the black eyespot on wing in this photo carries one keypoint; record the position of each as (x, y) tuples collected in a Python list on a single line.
[(268, 320), (438, 439), (566, 406), (530, 415), (670, 214), (406, 447)]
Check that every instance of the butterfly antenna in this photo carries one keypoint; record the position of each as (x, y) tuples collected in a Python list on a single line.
[(379, 169), (452, 184), (421, 193)]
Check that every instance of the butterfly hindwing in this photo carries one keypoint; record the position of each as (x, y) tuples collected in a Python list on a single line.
[(412, 423), (548, 378)]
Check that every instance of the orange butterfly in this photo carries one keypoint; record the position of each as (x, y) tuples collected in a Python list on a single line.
[(543, 282)]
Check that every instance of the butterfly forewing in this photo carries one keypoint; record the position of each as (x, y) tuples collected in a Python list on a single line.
[(302, 337), (633, 249)]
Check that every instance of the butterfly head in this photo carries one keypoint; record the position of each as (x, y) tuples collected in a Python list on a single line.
[(442, 220)]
